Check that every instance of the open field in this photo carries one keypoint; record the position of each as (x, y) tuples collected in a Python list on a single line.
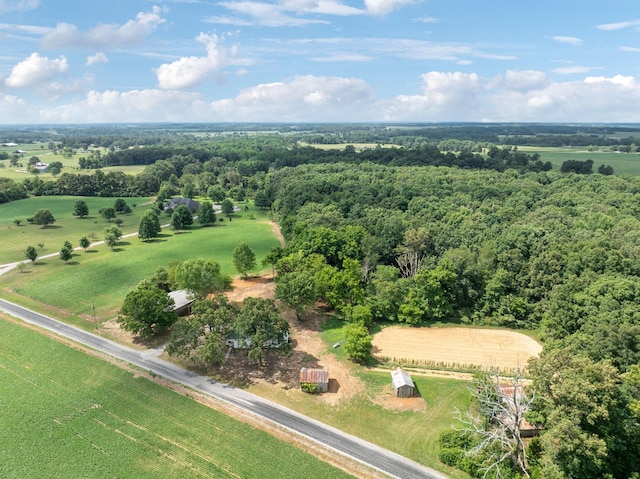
[(103, 277), (500, 349), (66, 414), (622, 163), (361, 400), (66, 228)]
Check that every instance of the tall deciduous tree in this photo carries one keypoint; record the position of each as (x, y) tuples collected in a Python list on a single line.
[(108, 213), (43, 218), (206, 215), (244, 259), (80, 209), (112, 235), (84, 243), (201, 337), (181, 218), (259, 323), (357, 342), (296, 290), (226, 207), (66, 253), (149, 225), (201, 277), (147, 310)]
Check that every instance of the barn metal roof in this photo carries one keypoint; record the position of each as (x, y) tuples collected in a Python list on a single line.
[(401, 378), (317, 376)]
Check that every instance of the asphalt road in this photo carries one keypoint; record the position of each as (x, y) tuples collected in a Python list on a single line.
[(351, 446)]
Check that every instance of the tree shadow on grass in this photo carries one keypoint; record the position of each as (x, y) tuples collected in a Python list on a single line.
[(124, 243)]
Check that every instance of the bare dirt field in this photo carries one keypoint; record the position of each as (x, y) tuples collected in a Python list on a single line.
[(487, 348)]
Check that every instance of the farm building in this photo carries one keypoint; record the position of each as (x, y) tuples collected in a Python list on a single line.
[(402, 383), (173, 203), (319, 377), (182, 301)]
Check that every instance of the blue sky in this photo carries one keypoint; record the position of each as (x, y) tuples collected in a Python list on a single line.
[(72, 61)]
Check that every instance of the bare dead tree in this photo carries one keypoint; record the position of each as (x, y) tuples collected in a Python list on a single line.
[(501, 407), (409, 263)]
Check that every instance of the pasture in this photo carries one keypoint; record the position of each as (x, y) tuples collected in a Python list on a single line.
[(67, 414), (102, 277), (622, 163), (494, 349), (66, 228)]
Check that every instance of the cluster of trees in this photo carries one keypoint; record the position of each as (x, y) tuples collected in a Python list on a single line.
[(546, 251), (201, 336)]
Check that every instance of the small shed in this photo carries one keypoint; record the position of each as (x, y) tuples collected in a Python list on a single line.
[(182, 301), (402, 383), (319, 377)]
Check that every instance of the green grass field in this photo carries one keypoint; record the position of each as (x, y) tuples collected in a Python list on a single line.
[(622, 163), (66, 228), (69, 415), (413, 434), (102, 277), (45, 155)]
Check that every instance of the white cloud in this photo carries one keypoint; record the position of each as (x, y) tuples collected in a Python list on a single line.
[(303, 98), (130, 106), (619, 25), (467, 97), (35, 70), (384, 7), (99, 57), (520, 96), (629, 49), (265, 14), (572, 70), (570, 40), (524, 80), (105, 36), (426, 19), (190, 71), (18, 5)]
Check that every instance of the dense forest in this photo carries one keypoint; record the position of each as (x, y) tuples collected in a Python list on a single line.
[(433, 233)]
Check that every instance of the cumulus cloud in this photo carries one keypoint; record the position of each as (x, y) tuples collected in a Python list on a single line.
[(35, 70), (570, 40), (105, 35), (18, 5), (303, 98), (467, 97), (520, 96), (131, 106), (524, 80), (99, 57), (190, 71)]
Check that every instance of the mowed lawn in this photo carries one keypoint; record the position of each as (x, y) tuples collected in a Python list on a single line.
[(69, 415), (103, 277), (67, 227)]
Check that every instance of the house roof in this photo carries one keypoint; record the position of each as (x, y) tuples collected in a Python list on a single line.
[(181, 298), (188, 202), (401, 378), (317, 376)]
